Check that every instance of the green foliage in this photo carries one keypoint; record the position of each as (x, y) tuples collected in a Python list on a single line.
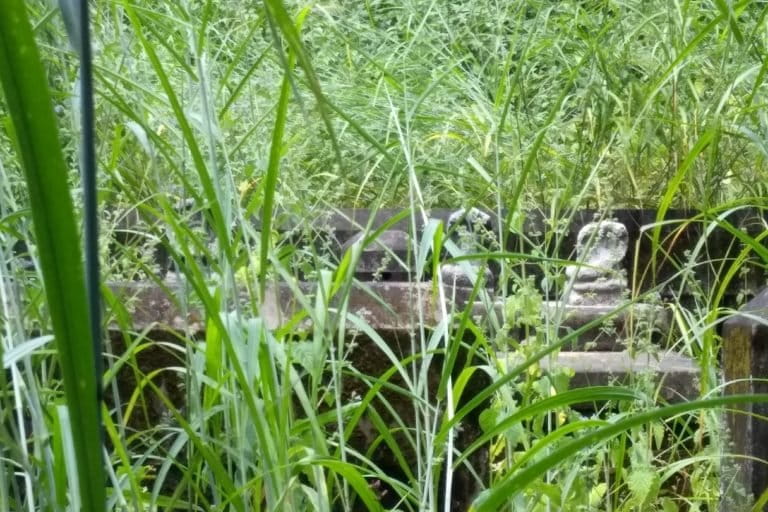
[(37, 141), (211, 114)]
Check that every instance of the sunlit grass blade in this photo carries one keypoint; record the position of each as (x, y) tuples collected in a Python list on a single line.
[(512, 374), (208, 182), (282, 21), (568, 398), (352, 475), (28, 100), (514, 483), (673, 187), (270, 184)]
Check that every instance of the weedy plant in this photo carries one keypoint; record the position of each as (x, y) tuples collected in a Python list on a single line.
[(212, 115)]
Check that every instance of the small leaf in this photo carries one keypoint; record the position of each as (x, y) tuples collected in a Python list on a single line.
[(23, 350), (488, 419), (644, 485), (597, 493), (141, 135)]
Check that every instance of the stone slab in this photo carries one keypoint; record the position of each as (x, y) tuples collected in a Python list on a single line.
[(678, 375), (155, 307), (396, 307), (611, 336)]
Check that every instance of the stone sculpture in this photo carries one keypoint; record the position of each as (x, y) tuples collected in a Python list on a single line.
[(599, 279)]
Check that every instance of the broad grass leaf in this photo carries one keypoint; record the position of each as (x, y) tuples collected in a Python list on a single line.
[(29, 103)]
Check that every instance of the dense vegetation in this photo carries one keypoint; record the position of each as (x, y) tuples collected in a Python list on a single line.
[(212, 114)]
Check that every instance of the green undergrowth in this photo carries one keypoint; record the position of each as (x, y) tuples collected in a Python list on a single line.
[(220, 123)]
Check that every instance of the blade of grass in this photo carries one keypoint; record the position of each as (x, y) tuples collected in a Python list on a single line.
[(568, 398), (673, 187), (270, 182), (207, 181), (352, 475), (507, 488), (29, 103), (280, 18), (80, 38)]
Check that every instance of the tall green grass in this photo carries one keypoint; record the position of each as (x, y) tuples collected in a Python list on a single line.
[(276, 109), (36, 138)]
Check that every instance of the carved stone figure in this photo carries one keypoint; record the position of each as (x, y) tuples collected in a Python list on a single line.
[(598, 279)]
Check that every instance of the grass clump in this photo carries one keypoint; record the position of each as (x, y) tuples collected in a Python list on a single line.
[(219, 124)]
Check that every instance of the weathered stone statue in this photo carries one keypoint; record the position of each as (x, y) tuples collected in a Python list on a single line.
[(470, 228), (598, 279)]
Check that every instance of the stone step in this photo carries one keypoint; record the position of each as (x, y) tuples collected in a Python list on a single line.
[(390, 310), (676, 376), (395, 307)]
